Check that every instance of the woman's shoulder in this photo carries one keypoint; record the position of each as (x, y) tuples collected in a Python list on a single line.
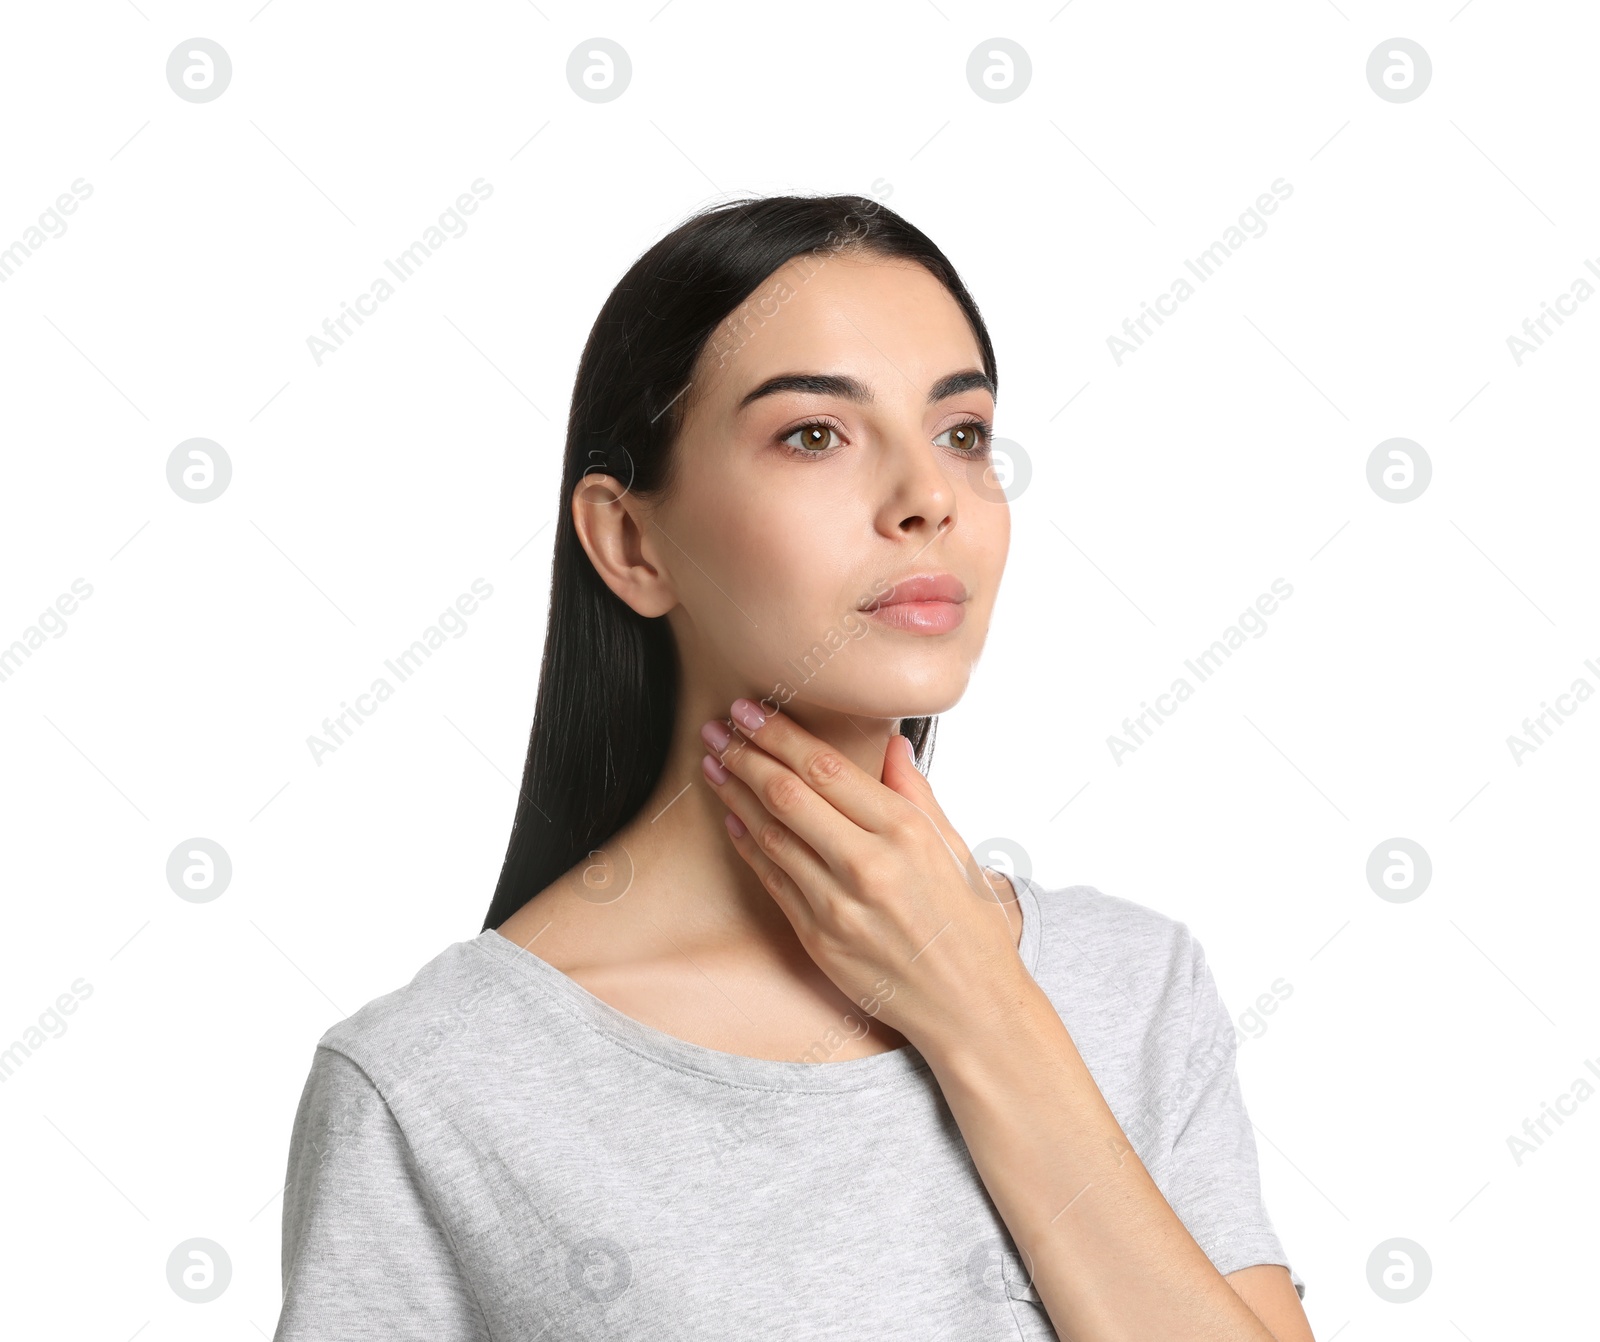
[(420, 1023), (1121, 963), (1084, 920)]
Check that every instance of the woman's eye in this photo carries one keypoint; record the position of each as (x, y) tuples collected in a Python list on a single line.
[(812, 437), (970, 437)]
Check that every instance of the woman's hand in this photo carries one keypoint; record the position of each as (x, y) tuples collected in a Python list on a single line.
[(882, 892)]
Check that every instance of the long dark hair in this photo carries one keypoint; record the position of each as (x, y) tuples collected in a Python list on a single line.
[(608, 685)]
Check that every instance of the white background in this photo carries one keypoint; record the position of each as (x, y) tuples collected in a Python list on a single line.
[(1166, 494)]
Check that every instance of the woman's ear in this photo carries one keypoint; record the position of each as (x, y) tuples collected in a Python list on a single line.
[(615, 529)]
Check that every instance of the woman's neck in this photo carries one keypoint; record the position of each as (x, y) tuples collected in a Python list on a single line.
[(685, 873)]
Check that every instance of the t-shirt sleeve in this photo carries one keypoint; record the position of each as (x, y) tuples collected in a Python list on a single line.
[(1215, 1182), (364, 1253)]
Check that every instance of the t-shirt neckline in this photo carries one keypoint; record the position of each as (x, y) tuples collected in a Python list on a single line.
[(876, 1069)]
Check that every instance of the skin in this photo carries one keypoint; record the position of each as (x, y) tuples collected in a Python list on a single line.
[(759, 902), (753, 559)]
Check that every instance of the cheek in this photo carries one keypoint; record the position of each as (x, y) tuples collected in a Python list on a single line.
[(767, 581), (988, 528)]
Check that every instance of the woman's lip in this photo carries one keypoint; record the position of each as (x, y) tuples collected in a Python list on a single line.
[(921, 617), (920, 587)]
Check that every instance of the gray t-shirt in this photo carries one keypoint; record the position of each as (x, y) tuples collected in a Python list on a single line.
[(493, 1152)]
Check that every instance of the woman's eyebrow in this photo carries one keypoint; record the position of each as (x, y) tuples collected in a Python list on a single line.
[(851, 389)]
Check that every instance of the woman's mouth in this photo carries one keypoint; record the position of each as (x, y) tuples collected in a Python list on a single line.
[(932, 603)]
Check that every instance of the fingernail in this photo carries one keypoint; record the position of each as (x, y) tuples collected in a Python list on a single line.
[(734, 824), (716, 736), (713, 769), (747, 715)]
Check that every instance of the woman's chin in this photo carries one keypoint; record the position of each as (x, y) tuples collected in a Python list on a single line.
[(882, 704)]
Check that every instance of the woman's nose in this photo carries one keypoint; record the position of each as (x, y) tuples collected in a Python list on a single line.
[(922, 493)]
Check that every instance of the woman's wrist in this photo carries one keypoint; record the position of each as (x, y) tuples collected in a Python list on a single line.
[(997, 1029)]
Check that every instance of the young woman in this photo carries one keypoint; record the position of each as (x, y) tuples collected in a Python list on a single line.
[(749, 1045)]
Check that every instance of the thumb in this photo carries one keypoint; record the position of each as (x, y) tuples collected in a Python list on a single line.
[(900, 770), (901, 775)]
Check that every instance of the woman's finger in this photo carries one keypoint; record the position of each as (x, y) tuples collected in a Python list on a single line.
[(768, 837), (791, 798), (848, 789), (777, 882), (901, 773)]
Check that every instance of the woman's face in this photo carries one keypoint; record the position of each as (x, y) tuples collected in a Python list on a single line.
[(832, 448)]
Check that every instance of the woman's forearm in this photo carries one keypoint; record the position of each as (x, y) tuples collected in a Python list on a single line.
[(1109, 1258)]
